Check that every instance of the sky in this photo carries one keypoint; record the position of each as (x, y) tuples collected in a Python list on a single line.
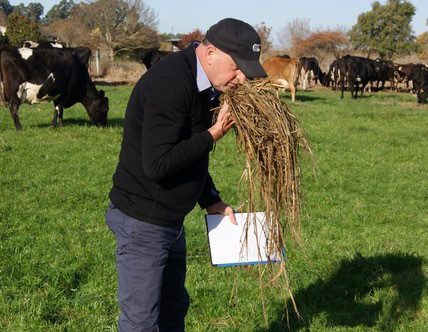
[(183, 16)]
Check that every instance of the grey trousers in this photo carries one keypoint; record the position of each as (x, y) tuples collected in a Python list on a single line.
[(151, 268)]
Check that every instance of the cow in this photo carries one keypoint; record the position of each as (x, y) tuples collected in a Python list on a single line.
[(84, 53), (333, 75), (150, 56), (47, 44), (284, 72), (310, 68), (404, 73), (355, 70), (36, 75), (383, 71), (420, 83), (30, 44)]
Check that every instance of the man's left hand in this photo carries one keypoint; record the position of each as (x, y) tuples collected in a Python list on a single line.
[(222, 208)]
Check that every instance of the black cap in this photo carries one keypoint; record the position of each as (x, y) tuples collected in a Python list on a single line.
[(241, 41)]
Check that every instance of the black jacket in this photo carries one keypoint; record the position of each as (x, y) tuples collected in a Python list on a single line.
[(163, 164)]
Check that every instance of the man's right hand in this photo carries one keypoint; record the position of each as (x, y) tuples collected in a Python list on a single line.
[(225, 121)]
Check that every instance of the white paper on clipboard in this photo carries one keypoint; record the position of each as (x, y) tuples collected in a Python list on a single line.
[(226, 240)]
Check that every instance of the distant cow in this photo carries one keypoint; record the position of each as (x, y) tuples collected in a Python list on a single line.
[(46, 44), (84, 53), (405, 73), (150, 56), (30, 44), (333, 75), (420, 83), (36, 75), (310, 68), (355, 70), (383, 71), (284, 72)]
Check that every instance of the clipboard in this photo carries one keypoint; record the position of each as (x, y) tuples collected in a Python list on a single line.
[(226, 240)]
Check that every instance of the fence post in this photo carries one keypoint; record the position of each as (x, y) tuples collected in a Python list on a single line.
[(97, 61)]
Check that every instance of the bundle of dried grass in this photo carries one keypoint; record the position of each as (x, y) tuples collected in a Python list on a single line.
[(270, 137)]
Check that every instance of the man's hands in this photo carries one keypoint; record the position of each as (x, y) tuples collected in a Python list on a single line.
[(225, 121), (222, 208)]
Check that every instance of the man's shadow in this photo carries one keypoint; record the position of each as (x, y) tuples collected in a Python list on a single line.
[(364, 291)]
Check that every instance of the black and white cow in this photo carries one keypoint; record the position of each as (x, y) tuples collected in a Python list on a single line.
[(333, 75), (355, 70), (310, 69), (150, 56), (84, 53), (35, 75), (405, 73)]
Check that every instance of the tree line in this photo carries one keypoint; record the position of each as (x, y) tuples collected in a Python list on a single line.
[(117, 25), (384, 31), (124, 25)]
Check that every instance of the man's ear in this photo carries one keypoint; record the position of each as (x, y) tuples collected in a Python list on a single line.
[(210, 51)]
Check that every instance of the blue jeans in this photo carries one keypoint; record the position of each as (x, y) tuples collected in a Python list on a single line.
[(151, 268)]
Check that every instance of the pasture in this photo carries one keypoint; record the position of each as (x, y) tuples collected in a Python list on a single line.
[(363, 265)]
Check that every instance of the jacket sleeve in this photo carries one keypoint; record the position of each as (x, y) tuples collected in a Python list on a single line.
[(209, 195), (167, 102)]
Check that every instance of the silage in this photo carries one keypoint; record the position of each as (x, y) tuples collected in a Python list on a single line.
[(270, 137)]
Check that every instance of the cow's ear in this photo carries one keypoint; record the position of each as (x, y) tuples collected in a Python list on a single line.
[(102, 94)]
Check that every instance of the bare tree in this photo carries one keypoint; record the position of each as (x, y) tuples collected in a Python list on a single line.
[(121, 24), (264, 32), (71, 31), (324, 43), (293, 33)]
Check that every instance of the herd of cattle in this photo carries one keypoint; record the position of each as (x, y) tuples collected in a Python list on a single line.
[(351, 73), (46, 72)]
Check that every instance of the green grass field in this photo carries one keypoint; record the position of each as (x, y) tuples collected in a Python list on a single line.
[(363, 264)]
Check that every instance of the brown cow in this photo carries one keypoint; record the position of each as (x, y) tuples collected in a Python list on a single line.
[(284, 72)]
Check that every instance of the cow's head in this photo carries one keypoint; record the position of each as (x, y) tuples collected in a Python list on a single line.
[(324, 79), (99, 109)]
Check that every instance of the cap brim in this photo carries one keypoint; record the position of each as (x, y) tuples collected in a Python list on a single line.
[(251, 69)]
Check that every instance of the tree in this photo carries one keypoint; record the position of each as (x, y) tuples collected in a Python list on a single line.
[(422, 40), (20, 28), (385, 29), (2, 19), (322, 43), (33, 11), (264, 32), (187, 38), (59, 11), (122, 25), (71, 31), (6, 7), (290, 36)]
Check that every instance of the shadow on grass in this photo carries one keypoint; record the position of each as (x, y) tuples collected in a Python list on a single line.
[(299, 98), (106, 83), (304, 98), (373, 291), (65, 290), (113, 122)]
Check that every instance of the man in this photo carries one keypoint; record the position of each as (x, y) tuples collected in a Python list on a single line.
[(163, 170)]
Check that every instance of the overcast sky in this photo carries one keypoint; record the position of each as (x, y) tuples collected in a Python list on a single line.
[(182, 16)]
